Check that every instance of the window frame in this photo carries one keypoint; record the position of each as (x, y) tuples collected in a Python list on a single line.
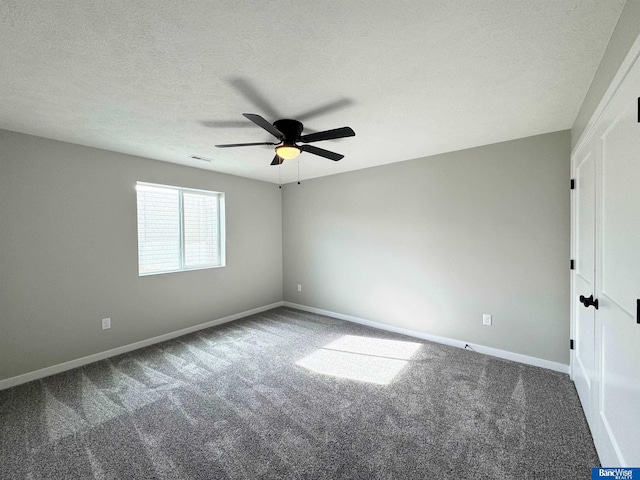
[(221, 225)]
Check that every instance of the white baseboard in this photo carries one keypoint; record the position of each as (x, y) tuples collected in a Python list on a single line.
[(516, 357), (62, 367), (79, 362)]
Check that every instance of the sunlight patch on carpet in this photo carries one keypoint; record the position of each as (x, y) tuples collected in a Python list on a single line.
[(371, 360)]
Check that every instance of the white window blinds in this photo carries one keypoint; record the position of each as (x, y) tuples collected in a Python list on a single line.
[(178, 229), (200, 229)]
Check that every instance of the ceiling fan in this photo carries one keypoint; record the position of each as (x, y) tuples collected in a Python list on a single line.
[(289, 134)]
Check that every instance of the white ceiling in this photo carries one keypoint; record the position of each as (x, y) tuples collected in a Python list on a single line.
[(167, 79)]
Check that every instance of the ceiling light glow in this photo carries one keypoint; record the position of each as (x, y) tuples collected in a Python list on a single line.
[(287, 152)]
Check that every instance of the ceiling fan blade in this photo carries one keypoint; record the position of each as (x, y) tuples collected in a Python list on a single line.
[(224, 124), (277, 160), (321, 152), (261, 122), (328, 135), (227, 145)]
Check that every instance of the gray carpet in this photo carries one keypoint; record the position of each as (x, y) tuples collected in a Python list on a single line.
[(289, 394)]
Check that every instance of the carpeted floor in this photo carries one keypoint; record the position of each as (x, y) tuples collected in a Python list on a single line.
[(292, 395)]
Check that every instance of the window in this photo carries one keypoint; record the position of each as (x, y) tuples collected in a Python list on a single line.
[(179, 229)]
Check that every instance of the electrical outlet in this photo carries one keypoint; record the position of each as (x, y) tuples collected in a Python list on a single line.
[(106, 323), (486, 319), (299, 287)]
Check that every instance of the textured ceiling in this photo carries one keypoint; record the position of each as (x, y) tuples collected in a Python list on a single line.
[(167, 79)]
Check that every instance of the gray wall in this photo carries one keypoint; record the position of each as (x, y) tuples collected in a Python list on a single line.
[(68, 253), (432, 244), (625, 33)]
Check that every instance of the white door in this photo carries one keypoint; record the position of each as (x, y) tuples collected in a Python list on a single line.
[(617, 336), (583, 362)]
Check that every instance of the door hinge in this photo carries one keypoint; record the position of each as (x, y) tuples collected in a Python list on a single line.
[(638, 311), (571, 344), (573, 264), (638, 109), (573, 184)]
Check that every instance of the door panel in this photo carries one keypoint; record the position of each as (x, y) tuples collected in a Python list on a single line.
[(617, 420), (585, 216), (617, 423), (620, 208), (583, 279)]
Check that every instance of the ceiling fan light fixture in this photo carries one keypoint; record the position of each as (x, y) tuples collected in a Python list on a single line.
[(287, 152)]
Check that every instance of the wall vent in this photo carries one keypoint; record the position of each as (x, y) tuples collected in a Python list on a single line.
[(202, 159)]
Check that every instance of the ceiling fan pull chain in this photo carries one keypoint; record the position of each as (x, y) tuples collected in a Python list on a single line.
[(280, 175), (298, 170)]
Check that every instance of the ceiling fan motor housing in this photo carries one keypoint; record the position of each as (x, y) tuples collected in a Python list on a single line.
[(291, 129)]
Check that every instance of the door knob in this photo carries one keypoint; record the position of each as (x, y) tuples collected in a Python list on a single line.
[(589, 301)]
